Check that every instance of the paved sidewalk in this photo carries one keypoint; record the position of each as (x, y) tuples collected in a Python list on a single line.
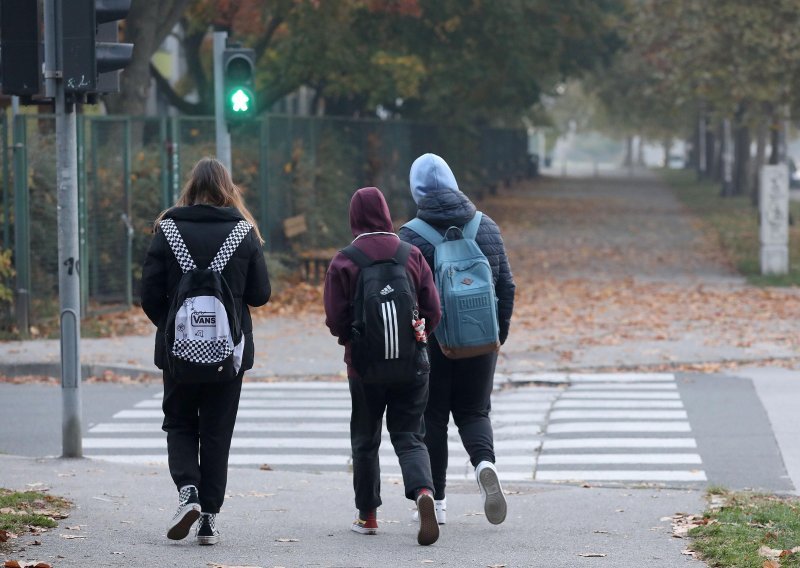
[(122, 511)]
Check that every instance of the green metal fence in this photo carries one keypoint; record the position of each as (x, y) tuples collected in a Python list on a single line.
[(131, 168)]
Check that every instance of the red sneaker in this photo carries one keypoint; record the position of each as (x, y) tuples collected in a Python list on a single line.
[(366, 526)]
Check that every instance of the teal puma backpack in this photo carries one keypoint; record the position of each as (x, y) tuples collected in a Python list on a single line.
[(466, 290)]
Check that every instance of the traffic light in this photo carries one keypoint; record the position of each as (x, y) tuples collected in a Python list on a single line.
[(238, 66), (91, 54), (21, 52)]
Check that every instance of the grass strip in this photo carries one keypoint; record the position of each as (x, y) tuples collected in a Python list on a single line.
[(20, 510), (733, 222), (749, 530)]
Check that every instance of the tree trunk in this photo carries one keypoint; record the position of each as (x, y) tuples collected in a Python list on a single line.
[(761, 154), (717, 165), (741, 178), (712, 152), (667, 151), (146, 26), (628, 161), (775, 143), (640, 152), (727, 158)]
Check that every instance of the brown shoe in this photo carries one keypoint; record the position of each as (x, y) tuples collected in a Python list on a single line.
[(428, 525)]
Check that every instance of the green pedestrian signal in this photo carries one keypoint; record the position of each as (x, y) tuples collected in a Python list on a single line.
[(240, 101), (238, 66)]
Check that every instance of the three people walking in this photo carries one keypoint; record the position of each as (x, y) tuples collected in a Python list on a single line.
[(205, 266)]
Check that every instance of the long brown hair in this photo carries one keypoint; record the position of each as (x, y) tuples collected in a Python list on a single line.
[(210, 183)]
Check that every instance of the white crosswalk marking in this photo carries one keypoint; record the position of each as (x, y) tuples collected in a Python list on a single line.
[(603, 428), (305, 426), (619, 428)]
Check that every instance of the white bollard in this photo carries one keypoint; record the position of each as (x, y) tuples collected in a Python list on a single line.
[(774, 229)]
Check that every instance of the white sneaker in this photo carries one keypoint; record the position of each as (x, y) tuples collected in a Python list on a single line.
[(494, 502), (440, 506), (188, 512)]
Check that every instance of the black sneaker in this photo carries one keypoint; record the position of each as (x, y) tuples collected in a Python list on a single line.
[(187, 513), (207, 532)]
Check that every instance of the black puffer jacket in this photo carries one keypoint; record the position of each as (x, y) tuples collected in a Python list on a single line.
[(450, 208), (204, 228)]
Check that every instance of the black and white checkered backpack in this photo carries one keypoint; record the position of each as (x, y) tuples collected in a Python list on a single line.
[(203, 333)]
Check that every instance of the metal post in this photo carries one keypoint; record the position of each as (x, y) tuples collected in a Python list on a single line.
[(166, 194), (69, 263), (176, 159), (126, 216), (223, 136), (83, 216), (94, 257), (22, 258), (6, 193), (263, 173)]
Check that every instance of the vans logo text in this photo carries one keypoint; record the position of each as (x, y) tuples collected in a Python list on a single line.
[(204, 319)]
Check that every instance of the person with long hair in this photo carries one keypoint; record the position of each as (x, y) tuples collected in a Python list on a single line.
[(199, 417)]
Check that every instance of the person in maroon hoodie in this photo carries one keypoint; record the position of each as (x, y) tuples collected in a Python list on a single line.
[(404, 403)]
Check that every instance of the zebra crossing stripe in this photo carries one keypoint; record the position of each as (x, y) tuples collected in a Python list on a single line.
[(626, 395), (619, 475), (304, 385), (340, 443), (574, 427), (619, 414), (620, 377), (598, 443), (592, 459), (579, 403), (626, 386), (152, 427)]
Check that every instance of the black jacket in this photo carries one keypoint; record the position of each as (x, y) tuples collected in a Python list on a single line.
[(450, 208), (204, 228)]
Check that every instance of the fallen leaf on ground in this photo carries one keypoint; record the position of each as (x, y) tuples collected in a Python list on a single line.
[(771, 564), (287, 540), (265, 467), (72, 536), (592, 555), (11, 564)]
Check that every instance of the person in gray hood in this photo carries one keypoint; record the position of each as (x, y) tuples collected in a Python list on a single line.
[(461, 386)]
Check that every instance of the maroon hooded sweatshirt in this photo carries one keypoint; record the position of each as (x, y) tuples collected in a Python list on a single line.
[(369, 213)]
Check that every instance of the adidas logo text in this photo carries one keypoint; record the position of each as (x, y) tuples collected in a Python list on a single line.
[(387, 290)]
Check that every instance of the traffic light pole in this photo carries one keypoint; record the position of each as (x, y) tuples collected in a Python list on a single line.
[(223, 136), (69, 264)]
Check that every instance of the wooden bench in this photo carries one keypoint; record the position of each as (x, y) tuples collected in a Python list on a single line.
[(314, 261)]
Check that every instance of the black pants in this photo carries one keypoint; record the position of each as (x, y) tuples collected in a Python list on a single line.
[(463, 387), (404, 406), (199, 421)]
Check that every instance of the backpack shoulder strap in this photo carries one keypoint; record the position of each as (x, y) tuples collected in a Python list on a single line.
[(402, 254), (470, 230), (425, 231), (177, 245), (357, 255), (230, 245)]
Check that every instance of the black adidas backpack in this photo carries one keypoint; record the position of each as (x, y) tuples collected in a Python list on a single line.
[(203, 333), (383, 346)]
